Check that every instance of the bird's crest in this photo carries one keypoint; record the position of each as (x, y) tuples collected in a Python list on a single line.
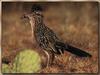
[(36, 8)]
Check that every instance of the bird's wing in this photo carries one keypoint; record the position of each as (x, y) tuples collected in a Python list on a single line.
[(52, 38), (51, 35)]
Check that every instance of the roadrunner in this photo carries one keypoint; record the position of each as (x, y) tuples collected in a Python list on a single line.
[(47, 39)]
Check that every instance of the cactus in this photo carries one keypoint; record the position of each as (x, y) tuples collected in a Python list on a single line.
[(5, 68), (27, 61)]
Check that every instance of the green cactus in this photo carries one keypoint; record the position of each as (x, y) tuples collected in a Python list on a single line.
[(5, 68), (27, 61)]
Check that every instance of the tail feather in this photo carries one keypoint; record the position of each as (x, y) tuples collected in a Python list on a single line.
[(77, 51), (62, 46)]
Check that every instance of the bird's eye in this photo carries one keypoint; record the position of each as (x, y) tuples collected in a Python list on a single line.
[(37, 12)]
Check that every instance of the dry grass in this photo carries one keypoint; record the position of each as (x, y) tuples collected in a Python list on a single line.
[(75, 23)]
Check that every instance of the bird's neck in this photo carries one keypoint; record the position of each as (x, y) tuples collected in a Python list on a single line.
[(36, 23)]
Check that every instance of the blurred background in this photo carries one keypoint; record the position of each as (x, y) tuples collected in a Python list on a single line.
[(74, 22)]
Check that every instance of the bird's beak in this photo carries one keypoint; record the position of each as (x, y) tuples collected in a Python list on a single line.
[(24, 17)]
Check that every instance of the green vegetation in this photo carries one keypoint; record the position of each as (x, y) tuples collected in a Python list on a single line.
[(26, 61), (5, 68)]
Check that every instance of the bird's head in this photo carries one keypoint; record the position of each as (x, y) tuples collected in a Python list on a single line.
[(33, 15), (36, 13)]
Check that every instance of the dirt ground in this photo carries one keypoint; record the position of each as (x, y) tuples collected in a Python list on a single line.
[(75, 23)]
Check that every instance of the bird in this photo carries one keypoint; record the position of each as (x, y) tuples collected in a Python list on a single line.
[(47, 39)]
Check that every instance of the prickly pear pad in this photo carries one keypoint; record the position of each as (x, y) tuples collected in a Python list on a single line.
[(5, 68), (27, 61)]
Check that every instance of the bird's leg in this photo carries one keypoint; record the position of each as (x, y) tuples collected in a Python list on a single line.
[(50, 57)]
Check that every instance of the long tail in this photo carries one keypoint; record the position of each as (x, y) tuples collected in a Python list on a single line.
[(77, 51), (62, 46)]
